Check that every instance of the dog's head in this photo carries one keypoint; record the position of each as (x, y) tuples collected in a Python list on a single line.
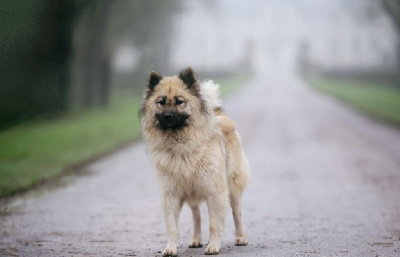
[(172, 103)]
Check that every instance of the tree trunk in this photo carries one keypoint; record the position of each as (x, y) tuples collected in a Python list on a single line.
[(398, 59), (96, 51), (65, 19), (105, 73)]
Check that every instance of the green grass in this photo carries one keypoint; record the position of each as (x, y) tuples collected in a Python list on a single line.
[(43, 149), (231, 84), (379, 100), (31, 153)]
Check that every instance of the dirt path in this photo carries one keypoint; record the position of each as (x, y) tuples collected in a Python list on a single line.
[(326, 182)]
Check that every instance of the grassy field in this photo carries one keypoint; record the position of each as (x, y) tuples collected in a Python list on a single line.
[(379, 100), (43, 149), (31, 153)]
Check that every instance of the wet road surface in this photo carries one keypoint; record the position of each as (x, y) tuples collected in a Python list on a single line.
[(326, 182)]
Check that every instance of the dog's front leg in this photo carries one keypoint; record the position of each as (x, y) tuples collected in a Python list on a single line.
[(196, 239), (172, 208), (217, 206)]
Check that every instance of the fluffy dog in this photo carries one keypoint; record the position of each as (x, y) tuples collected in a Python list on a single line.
[(197, 154)]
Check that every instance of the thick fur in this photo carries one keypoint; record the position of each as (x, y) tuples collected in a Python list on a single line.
[(201, 160)]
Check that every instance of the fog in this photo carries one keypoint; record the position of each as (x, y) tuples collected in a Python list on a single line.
[(215, 35), (74, 71)]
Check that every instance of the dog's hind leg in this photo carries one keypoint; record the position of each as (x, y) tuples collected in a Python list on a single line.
[(196, 239), (240, 236), (217, 206), (172, 208)]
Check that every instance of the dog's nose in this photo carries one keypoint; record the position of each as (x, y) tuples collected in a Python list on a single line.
[(168, 116)]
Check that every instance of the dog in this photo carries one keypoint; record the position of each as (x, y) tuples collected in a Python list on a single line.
[(197, 154)]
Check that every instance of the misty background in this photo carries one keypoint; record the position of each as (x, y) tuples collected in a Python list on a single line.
[(73, 71), (57, 55)]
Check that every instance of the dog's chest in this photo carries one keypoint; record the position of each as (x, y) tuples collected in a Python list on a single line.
[(175, 165), (187, 175)]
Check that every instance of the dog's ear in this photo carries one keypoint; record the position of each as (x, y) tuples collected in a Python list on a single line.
[(154, 79), (188, 77)]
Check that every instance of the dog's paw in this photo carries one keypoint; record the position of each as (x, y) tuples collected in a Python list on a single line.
[(170, 252), (195, 243), (241, 240), (211, 250)]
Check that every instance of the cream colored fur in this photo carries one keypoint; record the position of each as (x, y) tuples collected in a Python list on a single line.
[(202, 162), (210, 92)]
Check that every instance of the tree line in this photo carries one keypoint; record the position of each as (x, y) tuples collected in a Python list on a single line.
[(57, 54)]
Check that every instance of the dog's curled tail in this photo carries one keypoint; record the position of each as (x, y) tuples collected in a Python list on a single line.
[(210, 93)]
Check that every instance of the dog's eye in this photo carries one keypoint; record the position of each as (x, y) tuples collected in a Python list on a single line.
[(162, 102), (178, 102)]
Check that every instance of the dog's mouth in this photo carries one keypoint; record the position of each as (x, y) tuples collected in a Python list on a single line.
[(171, 121)]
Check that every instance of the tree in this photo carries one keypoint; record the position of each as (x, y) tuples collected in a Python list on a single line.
[(96, 70), (35, 45), (148, 26), (64, 18), (145, 24)]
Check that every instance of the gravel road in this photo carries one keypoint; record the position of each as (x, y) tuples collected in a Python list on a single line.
[(326, 182)]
